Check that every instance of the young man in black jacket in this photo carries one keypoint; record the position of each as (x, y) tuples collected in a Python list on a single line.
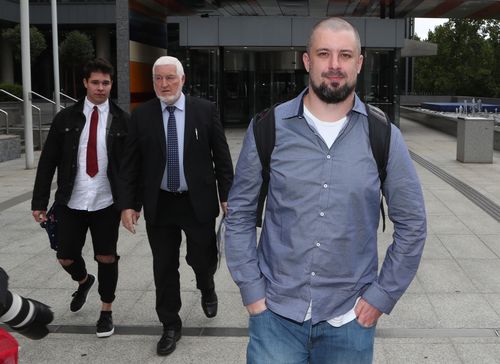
[(85, 145)]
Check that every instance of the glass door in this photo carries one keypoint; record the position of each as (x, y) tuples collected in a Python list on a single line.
[(237, 87), (242, 82), (378, 79), (201, 66)]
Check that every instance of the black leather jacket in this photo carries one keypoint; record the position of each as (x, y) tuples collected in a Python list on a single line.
[(61, 151)]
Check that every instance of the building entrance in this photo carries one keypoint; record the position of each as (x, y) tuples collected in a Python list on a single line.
[(244, 81), (377, 82)]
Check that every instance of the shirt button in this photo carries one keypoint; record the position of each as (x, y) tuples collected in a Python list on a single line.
[(321, 213), (313, 274), (328, 156), (318, 243), (325, 186)]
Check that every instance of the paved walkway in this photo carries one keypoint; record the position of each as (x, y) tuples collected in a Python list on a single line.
[(450, 314)]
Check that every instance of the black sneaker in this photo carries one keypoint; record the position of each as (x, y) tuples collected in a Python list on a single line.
[(80, 296), (104, 327)]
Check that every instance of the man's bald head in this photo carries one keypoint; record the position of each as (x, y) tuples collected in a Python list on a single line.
[(334, 24)]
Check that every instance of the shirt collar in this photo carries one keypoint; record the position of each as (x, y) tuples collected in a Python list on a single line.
[(179, 104), (297, 106), (104, 107), (359, 106), (296, 109)]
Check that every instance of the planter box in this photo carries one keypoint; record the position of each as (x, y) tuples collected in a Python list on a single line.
[(475, 140), (10, 147)]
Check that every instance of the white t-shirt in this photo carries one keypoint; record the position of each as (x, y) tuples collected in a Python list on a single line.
[(328, 130)]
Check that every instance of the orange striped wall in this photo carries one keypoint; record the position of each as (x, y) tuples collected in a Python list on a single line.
[(141, 85)]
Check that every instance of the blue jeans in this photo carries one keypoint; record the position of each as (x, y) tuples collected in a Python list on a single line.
[(278, 340)]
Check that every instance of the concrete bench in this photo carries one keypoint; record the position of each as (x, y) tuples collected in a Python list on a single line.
[(10, 147)]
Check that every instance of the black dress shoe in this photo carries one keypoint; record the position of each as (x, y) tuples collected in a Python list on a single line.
[(167, 345), (209, 304)]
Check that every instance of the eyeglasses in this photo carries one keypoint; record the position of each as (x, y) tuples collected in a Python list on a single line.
[(169, 78)]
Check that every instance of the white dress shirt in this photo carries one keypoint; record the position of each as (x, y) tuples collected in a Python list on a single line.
[(92, 193)]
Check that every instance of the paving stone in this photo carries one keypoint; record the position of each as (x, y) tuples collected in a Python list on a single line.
[(463, 310), (457, 285)]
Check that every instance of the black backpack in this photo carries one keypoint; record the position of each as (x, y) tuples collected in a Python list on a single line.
[(264, 130)]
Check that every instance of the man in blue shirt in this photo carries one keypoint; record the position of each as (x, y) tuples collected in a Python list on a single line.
[(311, 285)]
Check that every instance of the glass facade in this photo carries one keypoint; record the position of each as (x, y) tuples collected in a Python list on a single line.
[(244, 81)]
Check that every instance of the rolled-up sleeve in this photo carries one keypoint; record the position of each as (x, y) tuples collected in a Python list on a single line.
[(241, 238), (406, 210)]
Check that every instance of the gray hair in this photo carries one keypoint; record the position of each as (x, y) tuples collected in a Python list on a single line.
[(334, 24), (169, 60)]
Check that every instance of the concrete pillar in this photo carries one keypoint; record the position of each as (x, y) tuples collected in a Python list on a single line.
[(122, 79), (475, 140), (26, 72), (103, 44), (6, 62)]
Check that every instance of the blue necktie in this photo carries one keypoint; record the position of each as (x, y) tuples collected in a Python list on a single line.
[(173, 178)]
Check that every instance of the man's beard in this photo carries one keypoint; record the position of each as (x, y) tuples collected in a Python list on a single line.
[(333, 94), (169, 100)]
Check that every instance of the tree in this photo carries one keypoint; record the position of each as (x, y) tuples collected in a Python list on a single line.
[(37, 42), (75, 51), (465, 63), (492, 36)]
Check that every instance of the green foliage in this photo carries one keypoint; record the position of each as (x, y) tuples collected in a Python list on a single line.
[(74, 52), (13, 89), (76, 49), (492, 34), (467, 62), (37, 42)]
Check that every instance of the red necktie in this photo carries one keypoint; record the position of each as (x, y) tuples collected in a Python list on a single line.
[(92, 167)]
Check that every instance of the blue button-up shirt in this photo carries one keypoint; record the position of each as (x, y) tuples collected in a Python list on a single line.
[(319, 237)]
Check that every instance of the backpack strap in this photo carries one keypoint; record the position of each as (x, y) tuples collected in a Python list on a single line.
[(379, 131), (264, 130)]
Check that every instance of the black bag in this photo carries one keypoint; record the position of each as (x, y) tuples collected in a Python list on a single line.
[(50, 226)]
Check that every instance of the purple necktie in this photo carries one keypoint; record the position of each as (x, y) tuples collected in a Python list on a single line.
[(173, 178)]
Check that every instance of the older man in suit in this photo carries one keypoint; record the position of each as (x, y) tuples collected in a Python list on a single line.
[(175, 159)]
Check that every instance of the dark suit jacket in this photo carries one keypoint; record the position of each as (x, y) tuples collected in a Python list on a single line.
[(206, 159)]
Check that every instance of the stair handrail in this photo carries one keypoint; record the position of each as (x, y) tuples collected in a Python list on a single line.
[(11, 95), (68, 97), (46, 99), (34, 107), (6, 120)]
